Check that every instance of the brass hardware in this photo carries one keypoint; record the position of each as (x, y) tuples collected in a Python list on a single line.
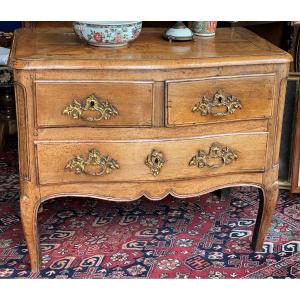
[(205, 106), (104, 109), (155, 161), (104, 163), (216, 151)]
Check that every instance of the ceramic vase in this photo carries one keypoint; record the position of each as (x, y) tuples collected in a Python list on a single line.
[(205, 28)]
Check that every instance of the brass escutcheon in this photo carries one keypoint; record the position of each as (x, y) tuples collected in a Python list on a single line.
[(155, 161), (206, 106), (104, 109)]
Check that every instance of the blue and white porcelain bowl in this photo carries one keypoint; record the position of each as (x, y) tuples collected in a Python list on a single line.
[(108, 33)]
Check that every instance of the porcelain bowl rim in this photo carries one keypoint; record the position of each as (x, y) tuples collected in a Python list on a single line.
[(107, 23)]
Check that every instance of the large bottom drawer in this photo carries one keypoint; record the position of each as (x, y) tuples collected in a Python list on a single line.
[(148, 160)]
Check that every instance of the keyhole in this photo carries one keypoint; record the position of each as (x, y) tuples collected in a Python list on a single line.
[(156, 161), (92, 103), (220, 99)]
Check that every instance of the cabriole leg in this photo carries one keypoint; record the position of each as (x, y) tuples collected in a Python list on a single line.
[(29, 209), (267, 204)]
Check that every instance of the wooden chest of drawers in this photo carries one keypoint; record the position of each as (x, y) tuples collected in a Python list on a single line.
[(154, 118)]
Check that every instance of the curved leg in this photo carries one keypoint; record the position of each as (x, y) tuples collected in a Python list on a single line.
[(267, 203), (29, 209)]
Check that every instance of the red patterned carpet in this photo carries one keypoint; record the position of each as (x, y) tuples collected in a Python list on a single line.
[(203, 237)]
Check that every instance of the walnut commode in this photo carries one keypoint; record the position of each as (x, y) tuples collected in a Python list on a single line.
[(149, 119)]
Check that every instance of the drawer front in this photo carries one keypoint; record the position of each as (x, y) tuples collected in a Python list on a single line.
[(144, 160), (219, 99), (97, 104)]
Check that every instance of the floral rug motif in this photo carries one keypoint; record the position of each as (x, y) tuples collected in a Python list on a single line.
[(201, 237)]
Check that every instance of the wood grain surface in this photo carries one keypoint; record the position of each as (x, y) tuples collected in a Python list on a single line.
[(154, 85)]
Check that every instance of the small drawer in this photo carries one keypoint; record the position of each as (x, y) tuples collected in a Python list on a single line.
[(212, 100), (94, 104), (144, 160)]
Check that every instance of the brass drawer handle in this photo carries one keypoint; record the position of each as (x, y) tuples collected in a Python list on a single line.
[(223, 154), (206, 106), (155, 161), (104, 164), (104, 109)]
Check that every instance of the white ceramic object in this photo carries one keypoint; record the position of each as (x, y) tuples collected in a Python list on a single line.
[(108, 33), (4, 54), (178, 31)]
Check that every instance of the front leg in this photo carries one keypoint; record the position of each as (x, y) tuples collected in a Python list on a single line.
[(267, 204), (29, 208)]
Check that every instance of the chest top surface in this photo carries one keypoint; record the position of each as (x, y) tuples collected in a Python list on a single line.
[(59, 48)]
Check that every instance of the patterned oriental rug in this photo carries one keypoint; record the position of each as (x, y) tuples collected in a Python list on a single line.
[(202, 237)]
